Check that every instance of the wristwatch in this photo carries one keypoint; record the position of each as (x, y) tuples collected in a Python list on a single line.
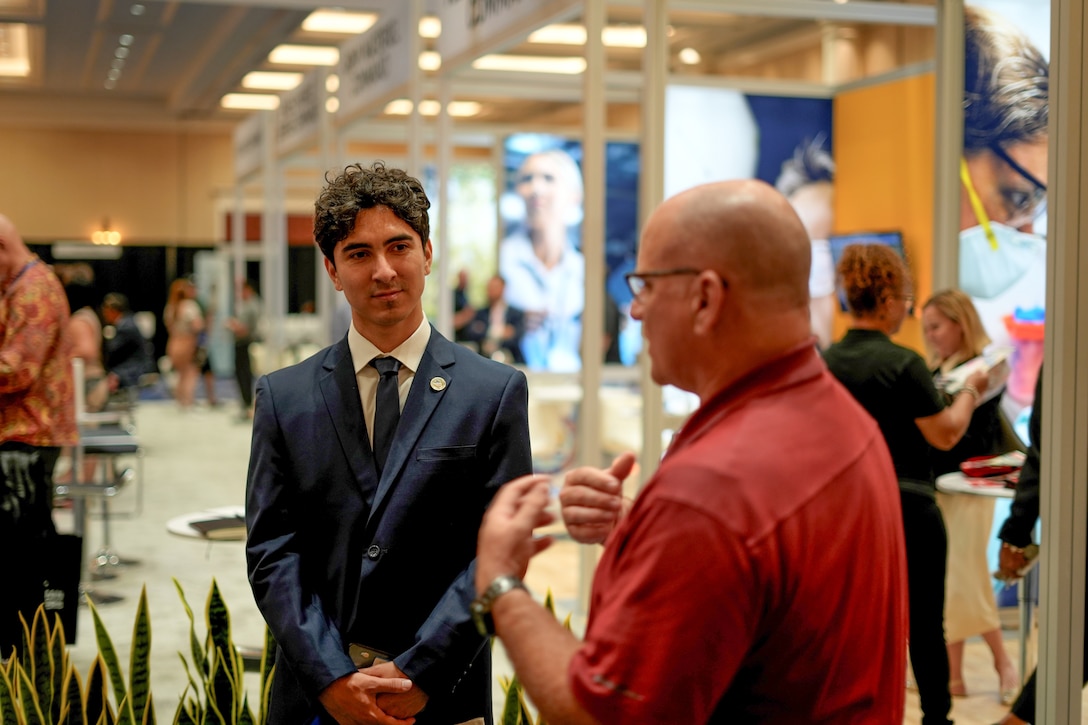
[(481, 605)]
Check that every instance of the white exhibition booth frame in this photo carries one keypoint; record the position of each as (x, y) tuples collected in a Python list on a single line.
[(262, 160)]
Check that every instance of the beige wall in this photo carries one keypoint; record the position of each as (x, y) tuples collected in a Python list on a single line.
[(155, 187)]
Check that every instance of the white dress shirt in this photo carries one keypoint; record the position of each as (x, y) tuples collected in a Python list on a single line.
[(409, 353)]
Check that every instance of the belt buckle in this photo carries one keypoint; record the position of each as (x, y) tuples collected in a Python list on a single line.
[(364, 656)]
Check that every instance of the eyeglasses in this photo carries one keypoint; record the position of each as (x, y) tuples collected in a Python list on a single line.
[(636, 281), (1023, 206)]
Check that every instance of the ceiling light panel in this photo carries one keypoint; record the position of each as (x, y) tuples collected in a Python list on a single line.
[(304, 55), (271, 80), (250, 101), (338, 21), (614, 36), (530, 64)]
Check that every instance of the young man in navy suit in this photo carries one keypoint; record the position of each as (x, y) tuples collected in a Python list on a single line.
[(362, 527)]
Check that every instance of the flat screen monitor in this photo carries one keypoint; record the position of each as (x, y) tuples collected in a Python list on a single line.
[(839, 242)]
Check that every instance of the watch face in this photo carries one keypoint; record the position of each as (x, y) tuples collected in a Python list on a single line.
[(1031, 551)]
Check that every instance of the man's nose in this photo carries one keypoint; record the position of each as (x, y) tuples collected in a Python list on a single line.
[(636, 308), (383, 270)]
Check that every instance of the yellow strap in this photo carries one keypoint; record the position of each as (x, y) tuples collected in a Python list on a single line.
[(976, 204)]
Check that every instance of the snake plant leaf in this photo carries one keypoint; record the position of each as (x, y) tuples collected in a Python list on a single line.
[(9, 712), (221, 644), (109, 655), (183, 716), (94, 702), (213, 715), (199, 658), (268, 666), (549, 601), (266, 698), (32, 709), (41, 660), (139, 671), (73, 699), (511, 709), (124, 712), (59, 656), (245, 715), (525, 714), (149, 711)]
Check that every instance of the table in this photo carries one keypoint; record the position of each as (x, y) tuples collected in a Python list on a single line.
[(957, 483), (233, 518)]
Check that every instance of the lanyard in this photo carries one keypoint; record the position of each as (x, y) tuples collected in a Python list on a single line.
[(15, 279)]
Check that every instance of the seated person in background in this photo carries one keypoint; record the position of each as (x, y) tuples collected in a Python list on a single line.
[(954, 335), (497, 328), (463, 312), (125, 353)]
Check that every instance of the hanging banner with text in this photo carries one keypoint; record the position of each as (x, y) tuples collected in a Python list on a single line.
[(298, 118), (374, 66), (471, 28), (248, 145)]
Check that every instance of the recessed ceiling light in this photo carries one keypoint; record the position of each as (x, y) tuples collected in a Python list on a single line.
[(624, 36), (530, 64), (398, 107), (430, 27), (121, 52), (110, 84), (338, 21), (137, 9), (114, 74), (250, 101), (15, 62), (126, 40), (117, 63), (332, 105), (689, 56), (431, 107), (463, 109), (430, 60), (271, 80), (304, 55), (614, 36), (332, 83)]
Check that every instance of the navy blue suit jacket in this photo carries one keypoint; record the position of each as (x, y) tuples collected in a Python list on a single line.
[(336, 555)]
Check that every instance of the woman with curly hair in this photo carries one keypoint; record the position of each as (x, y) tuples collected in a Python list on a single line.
[(184, 321), (894, 384)]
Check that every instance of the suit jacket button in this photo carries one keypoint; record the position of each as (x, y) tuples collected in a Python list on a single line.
[(374, 552)]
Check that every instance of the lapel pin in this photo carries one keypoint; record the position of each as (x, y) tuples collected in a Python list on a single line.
[(438, 384)]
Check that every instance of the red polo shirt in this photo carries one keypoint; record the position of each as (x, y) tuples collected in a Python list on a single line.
[(760, 576)]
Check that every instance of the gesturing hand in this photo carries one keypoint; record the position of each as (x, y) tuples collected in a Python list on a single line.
[(592, 499), (352, 700), (506, 542)]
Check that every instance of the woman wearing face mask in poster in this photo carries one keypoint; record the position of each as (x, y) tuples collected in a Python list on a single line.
[(1003, 172), (544, 271)]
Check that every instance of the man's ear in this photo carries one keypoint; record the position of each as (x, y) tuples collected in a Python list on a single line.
[(330, 268), (708, 302), (428, 255)]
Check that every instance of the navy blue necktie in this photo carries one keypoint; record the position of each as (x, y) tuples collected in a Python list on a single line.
[(386, 409)]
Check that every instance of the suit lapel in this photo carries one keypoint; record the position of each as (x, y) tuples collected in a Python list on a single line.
[(426, 393), (341, 393)]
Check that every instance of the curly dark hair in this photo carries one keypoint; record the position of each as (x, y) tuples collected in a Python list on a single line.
[(868, 273), (359, 188), (1006, 93)]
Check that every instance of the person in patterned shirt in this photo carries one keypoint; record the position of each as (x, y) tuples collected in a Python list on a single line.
[(37, 418)]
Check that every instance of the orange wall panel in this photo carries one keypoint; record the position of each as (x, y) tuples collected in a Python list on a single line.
[(884, 153)]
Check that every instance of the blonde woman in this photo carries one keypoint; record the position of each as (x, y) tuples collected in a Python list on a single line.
[(184, 321), (954, 334)]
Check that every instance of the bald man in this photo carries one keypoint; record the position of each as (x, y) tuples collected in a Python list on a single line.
[(760, 575), (37, 418)]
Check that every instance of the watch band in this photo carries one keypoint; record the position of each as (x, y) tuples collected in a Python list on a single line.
[(481, 605)]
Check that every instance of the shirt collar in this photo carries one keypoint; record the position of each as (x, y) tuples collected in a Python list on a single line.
[(409, 352)]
